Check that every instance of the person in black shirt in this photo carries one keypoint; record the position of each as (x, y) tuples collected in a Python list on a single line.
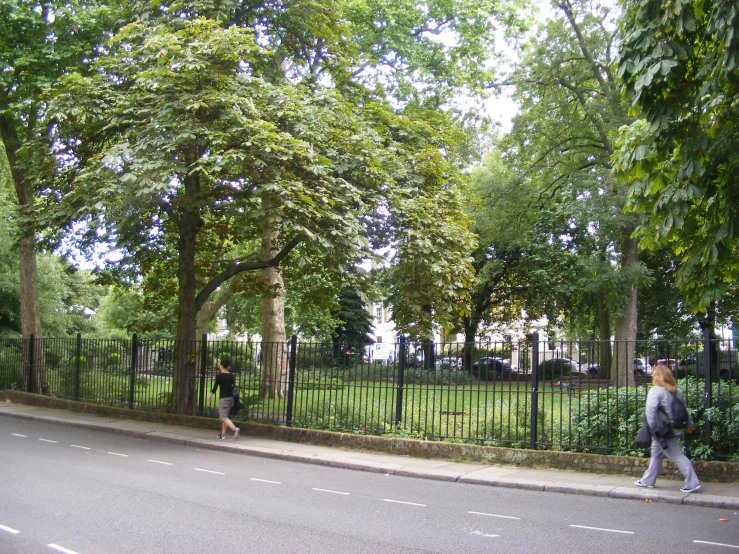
[(226, 382)]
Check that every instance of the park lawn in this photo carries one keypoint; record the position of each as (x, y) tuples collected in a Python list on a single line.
[(492, 413)]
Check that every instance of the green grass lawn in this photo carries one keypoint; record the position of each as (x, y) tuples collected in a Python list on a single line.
[(484, 412)]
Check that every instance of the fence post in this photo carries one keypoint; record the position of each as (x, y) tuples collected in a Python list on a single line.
[(401, 376), (203, 361), (707, 362), (77, 367), (534, 390), (134, 363), (291, 379), (31, 356)]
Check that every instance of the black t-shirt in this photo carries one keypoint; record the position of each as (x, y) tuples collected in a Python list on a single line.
[(226, 381)]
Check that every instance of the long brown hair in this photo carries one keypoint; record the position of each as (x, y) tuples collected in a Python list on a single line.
[(662, 376)]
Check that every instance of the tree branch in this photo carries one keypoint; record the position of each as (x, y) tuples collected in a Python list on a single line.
[(240, 267)]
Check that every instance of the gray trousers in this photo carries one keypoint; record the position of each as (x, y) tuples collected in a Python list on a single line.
[(670, 448)]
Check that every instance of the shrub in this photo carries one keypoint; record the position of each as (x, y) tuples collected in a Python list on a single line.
[(610, 420), (82, 361), (607, 422)]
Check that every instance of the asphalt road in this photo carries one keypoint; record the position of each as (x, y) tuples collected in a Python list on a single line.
[(74, 490)]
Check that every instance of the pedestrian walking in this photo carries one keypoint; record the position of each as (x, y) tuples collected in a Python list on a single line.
[(664, 438), (226, 382)]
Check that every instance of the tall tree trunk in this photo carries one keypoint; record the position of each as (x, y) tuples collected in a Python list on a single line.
[(30, 311), (470, 330), (626, 324), (210, 309), (186, 348), (274, 343), (604, 332)]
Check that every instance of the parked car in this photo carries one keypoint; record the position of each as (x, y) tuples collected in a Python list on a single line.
[(728, 364), (487, 367), (557, 367), (449, 363), (642, 366), (669, 362)]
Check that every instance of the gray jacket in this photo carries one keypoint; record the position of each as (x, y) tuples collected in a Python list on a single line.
[(660, 397)]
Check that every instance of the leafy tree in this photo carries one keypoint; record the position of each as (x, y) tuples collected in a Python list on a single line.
[(498, 206), (354, 323), (65, 293), (38, 43), (175, 132), (678, 66), (662, 307), (561, 144), (426, 52), (426, 229), (9, 300)]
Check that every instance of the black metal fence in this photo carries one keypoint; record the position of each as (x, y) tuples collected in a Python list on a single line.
[(528, 394)]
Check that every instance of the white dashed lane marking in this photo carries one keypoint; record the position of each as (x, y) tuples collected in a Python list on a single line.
[(78, 446), (266, 481), (209, 471), (158, 462), (492, 515), (117, 454), (19, 435), (332, 492), (481, 534), (9, 530), (61, 549), (717, 544), (49, 440), (602, 529), (403, 502)]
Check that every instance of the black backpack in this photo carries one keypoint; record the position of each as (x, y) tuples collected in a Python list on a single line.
[(679, 413)]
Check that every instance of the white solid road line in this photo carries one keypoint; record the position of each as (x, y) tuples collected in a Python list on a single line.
[(332, 492), (78, 446), (603, 529), (492, 515), (19, 435), (403, 502), (717, 544), (158, 462), (48, 440), (209, 471), (9, 530), (266, 481), (61, 549), (117, 454)]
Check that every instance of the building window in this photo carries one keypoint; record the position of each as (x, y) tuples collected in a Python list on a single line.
[(378, 314), (379, 339)]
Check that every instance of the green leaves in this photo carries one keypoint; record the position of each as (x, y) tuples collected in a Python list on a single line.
[(680, 160)]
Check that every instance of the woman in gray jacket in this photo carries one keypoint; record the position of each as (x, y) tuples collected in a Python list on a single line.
[(660, 396)]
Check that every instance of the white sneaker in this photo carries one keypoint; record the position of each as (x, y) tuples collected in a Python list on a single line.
[(236, 433), (643, 485), (688, 489)]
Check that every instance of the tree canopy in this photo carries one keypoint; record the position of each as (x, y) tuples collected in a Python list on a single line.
[(678, 66)]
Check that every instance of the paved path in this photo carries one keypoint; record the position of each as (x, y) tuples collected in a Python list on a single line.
[(716, 495)]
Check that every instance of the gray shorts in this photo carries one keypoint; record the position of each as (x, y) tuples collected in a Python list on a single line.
[(224, 408)]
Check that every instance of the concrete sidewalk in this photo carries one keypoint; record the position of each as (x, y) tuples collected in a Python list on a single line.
[(715, 495)]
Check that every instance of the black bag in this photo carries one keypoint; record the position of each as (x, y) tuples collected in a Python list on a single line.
[(643, 438), (237, 404), (679, 413)]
